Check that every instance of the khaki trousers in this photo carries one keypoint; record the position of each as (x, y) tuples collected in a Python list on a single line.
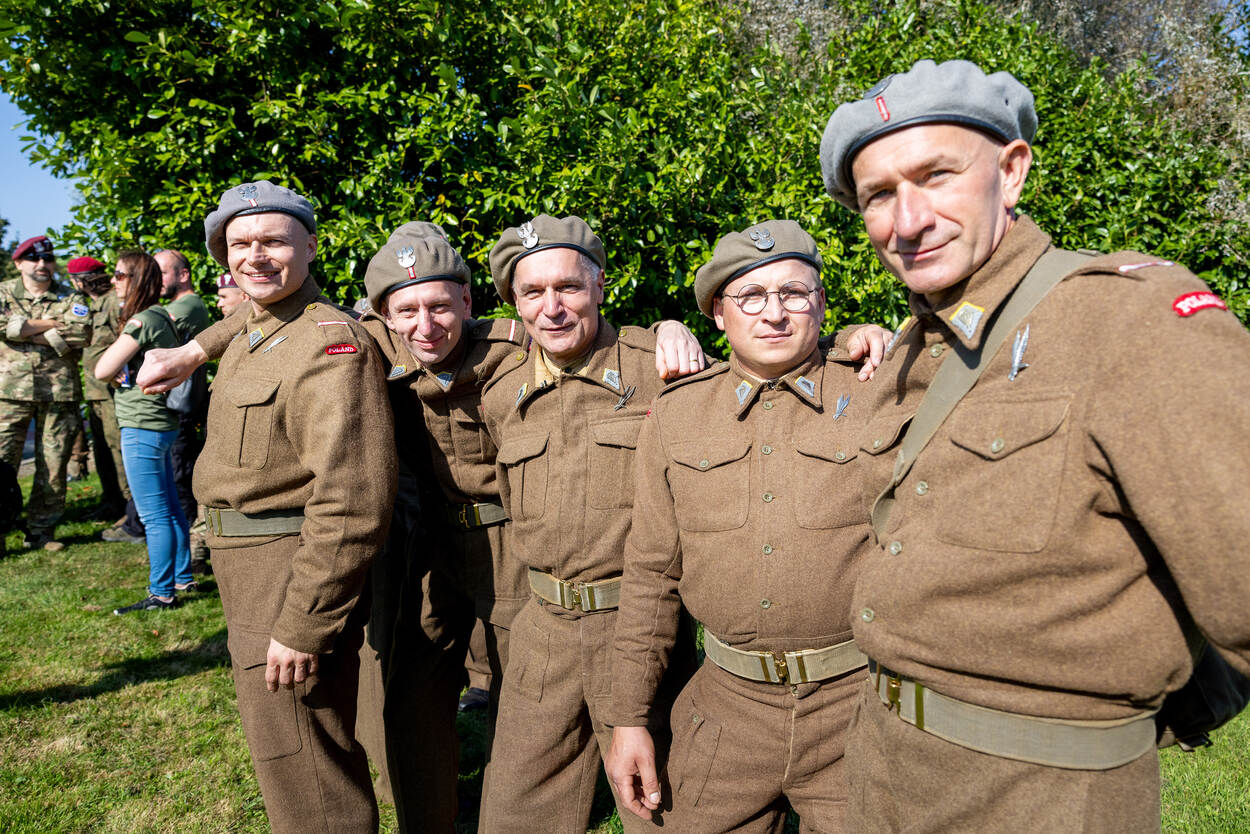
[(551, 730), (313, 773), (55, 426), (742, 748), (906, 780)]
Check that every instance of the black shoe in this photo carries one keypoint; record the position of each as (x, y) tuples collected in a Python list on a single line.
[(473, 699), (152, 603)]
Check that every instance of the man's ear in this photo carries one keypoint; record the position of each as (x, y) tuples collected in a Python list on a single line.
[(718, 311), (312, 246), (1014, 161)]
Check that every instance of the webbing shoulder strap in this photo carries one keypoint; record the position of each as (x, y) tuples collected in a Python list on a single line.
[(961, 369)]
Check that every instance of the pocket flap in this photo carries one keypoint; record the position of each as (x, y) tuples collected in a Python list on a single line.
[(993, 430), (883, 433), (466, 414), (248, 649), (521, 448), (827, 448), (621, 432), (709, 454), (251, 390)]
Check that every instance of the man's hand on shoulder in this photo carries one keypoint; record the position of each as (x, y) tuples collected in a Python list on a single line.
[(163, 368), (868, 343), (677, 352), (286, 667), (630, 765)]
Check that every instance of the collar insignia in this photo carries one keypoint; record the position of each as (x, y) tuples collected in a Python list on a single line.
[(529, 238), (612, 378), (248, 194), (274, 344), (743, 391), (967, 317), (806, 386), (254, 338), (520, 394), (763, 239), (396, 371), (445, 378), (843, 402)]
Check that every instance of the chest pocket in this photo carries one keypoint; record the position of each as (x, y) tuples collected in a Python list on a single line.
[(249, 420), (1003, 475), (526, 462), (711, 484), (612, 447), (827, 491), (878, 450), (468, 429)]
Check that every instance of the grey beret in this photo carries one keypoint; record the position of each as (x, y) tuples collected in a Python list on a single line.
[(954, 92), (411, 258), (253, 198), (543, 232), (737, 253), (419, 228)]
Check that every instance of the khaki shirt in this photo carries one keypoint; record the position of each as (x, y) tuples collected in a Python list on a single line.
[(1041, 539), (105, 326), (42, 373), (299, 419), (566, 452), (747, 511)]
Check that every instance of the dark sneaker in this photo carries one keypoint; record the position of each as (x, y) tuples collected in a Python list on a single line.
[(474, 699), (117, 534), (152, 603), (45, 542), (190, 588)]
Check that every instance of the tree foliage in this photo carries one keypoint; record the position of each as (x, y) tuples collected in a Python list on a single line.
[(664, 124)]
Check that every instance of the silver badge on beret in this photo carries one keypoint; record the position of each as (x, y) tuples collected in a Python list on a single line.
[(878, 88), (248, 194), (406, 257), (529, 238), (763, 239)]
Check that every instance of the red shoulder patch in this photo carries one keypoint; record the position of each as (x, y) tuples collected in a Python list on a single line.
[(1192, 302), (335, 350)]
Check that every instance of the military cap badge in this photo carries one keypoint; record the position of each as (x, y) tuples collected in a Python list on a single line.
[(407, 259), (763, 239), (529, 238), (248, 194)]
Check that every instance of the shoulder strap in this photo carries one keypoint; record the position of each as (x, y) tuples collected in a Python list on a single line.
[(963, 367)]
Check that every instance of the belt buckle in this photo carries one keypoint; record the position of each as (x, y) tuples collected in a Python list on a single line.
[(463, 516), (212, 516), (893, 689), (781, 667)]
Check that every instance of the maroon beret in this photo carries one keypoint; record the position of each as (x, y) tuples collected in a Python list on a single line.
[(85, 265), (39, 244), (225, 281)]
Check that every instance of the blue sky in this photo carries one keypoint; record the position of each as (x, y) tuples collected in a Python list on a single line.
[(31, 199)]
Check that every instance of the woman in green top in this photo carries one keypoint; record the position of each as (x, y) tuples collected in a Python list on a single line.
[(148, 429)]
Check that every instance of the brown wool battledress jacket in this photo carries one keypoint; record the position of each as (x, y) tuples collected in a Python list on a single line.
[(1030, 557), (748, 512), (299, 420), (566, 453)]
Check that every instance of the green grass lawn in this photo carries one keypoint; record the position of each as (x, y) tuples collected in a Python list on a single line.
[(128, 724)]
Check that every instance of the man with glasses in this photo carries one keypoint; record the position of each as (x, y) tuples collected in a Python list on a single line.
[(749, 513), (43, 328)]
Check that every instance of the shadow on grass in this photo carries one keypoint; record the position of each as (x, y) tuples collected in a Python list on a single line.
[(209, 654)]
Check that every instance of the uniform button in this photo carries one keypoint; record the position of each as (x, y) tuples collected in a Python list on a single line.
[(839, 455), (768, 450), (936, 350), (694, 719), (896, 548), (768, 497), (520, 356), (312, 306), (867, 615), (768, 406), (703, 464), (768, 549), (876, 444), (997, 445), (922, 487), (765, 604)]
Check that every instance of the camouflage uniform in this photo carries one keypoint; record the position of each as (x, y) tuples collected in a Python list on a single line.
[(41, 382), (105, 325)]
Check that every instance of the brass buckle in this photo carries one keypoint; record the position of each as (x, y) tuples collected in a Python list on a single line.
[(781, 667), (463, 516), (893, 688)]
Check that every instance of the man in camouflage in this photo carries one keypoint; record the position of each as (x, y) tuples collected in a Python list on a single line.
[(45, 326)]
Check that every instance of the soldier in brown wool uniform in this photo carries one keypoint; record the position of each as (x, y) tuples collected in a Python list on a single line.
[(1024, 608), (292, 525), (748, 512)]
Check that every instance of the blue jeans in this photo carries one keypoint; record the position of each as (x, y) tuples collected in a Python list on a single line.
[(150, 471)]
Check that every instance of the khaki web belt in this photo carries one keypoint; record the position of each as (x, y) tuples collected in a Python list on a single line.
[(577, 596), (472, 516), (226, 522), (803, 666), (1055, 742)]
